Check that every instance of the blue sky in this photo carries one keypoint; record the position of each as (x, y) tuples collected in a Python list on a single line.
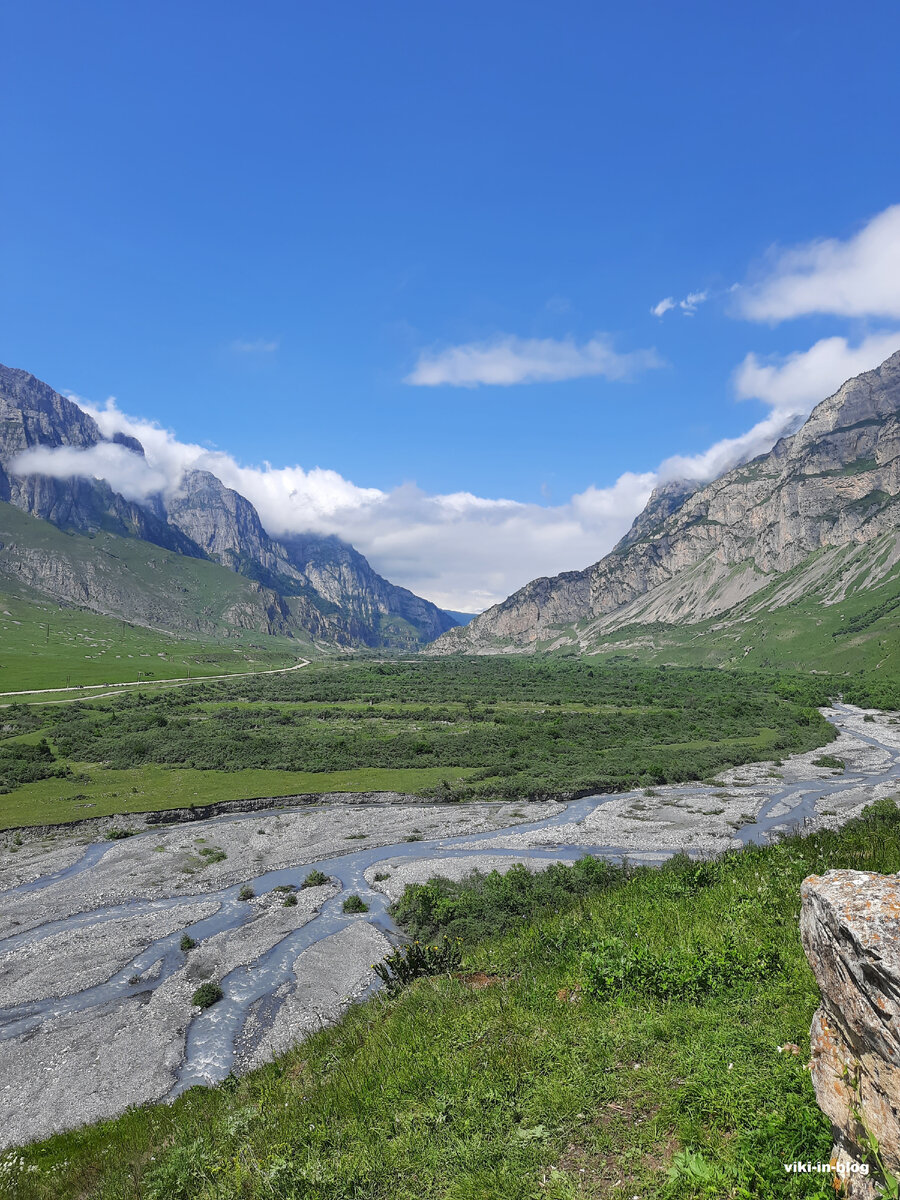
[(313, 235)]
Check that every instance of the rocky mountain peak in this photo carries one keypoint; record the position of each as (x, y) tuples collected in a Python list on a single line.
[(698, 551)]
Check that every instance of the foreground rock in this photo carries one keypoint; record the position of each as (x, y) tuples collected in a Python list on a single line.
[(850, 926)]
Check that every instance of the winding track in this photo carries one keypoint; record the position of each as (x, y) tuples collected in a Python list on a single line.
[(86, 691), (258, 987)]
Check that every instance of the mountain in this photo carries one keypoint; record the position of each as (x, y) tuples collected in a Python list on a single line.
[(311, 585), (814, 519)]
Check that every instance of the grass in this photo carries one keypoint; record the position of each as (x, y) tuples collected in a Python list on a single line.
[(180, 606), (505, 1078), (45, 646), (855, 636), (460, 729), (98, 791)]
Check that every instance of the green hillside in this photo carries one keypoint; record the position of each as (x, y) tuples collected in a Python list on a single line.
[(861, 634), (184, 612)]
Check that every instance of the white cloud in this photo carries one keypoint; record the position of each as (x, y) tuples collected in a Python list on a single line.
[(660, 310), (854, 278), (691, 302), (507, 360), (688, 305), (799, 381), (461, 550), (792, 386), (123, 470), (259, 346)]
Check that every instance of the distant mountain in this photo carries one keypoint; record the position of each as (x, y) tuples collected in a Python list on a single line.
[(461, 618), (315, 586), (816, 518)]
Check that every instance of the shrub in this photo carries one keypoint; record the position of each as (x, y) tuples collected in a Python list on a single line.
[(417, 960), (290, 900), (285, 887), (186, 943), (246, 892), (354, 904), (315, 879), (381, 875), (829, 760), (116, 835), (614, 967), (213, 854), (206, 995)]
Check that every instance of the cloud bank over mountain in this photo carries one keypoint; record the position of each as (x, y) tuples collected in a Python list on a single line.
[(461, 550), (465, 551)]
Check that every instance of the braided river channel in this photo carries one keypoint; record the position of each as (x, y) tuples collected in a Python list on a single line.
[(95, 985)]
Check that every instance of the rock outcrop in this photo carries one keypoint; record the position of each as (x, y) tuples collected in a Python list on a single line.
[(696, 552), (850, 926)]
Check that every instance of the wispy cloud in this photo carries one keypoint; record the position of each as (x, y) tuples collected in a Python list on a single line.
[(508, 360), (798, 381), (791, 385), (257, 346), (688, 305), (858, 277)]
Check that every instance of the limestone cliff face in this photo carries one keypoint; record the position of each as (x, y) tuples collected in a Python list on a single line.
[(353, 603), (832, 484), (850, 926), (32, 415), (312, 584)]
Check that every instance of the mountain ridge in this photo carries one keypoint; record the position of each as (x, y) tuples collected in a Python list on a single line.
[(696, 552), (312, 584)]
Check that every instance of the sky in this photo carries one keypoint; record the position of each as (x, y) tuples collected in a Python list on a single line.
[(458, 282)]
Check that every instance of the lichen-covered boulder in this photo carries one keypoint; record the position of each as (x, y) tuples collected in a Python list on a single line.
[(850, 926)]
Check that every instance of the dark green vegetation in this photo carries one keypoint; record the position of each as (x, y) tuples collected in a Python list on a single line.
[(355, 904), (314, 879), (206, 995), (246, 892), (186, 943), (418, 960), (455, 728), (515, 1076)]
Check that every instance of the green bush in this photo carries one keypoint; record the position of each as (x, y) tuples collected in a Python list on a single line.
[(613, 968), (290, 900), (186, 943), (206, 995), (355, 904), (417, 960), (246, 892), (315, 879), (116, 835), (829, 760)]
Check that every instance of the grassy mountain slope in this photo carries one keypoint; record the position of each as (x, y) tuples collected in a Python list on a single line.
[(838, 612), (185, 615)]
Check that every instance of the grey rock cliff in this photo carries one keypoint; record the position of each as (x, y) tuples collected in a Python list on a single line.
[(312, 583), (850, 927), (695, 553)]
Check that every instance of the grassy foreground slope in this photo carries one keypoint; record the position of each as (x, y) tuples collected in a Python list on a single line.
[(637, 1033), (455, 728)]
